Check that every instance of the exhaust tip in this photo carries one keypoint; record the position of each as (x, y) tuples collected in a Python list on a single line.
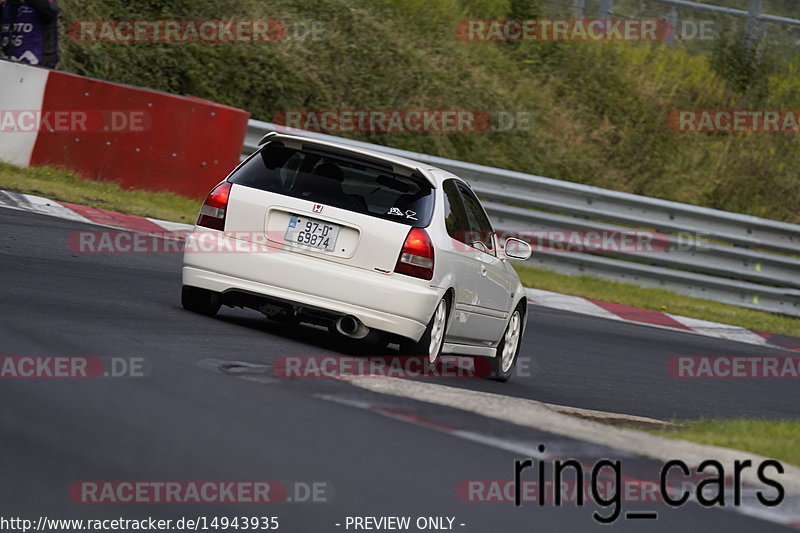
[(350, 326)]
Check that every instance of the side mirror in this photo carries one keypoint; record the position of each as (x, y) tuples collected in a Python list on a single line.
[(517, 249)]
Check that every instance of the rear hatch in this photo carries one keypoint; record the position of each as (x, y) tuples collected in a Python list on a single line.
[(327, 203)]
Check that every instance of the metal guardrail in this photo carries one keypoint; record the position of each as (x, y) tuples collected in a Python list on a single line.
[(726, 257), (753, 13)]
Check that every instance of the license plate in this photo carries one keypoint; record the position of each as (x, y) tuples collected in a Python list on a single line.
[(312, 232)]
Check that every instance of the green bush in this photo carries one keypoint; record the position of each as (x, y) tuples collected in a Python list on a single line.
[(600, 109)]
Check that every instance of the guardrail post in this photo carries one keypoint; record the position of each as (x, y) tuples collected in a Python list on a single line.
[(605, 9), (672, 19), (578, 5), (752, 27)]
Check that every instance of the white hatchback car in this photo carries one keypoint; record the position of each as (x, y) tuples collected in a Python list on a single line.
[(371, 245)]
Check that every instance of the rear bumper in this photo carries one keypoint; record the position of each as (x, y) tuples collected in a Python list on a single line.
[(387, 302)]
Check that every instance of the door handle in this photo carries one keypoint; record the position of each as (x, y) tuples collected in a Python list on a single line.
[(483, 270)]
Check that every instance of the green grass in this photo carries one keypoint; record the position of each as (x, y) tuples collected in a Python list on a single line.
[(69, 187), (657, 300), (778, 439), (600, 109)]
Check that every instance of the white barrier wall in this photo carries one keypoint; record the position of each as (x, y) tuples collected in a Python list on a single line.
[(21, 89)]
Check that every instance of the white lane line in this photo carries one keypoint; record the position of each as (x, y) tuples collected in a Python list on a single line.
[(788, 513), (533, 414), (523, 448), (722, 331), (567, 302)]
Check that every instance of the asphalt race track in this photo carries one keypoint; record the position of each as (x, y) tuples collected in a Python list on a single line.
[(373, 454)]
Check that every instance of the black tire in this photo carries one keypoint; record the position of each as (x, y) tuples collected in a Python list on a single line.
[(498, 371), (424, 347), (200, 301)]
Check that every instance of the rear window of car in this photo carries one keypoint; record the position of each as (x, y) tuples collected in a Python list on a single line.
[(339, 179)]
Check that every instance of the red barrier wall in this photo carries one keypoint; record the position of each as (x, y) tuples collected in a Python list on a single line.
[(183, 144)]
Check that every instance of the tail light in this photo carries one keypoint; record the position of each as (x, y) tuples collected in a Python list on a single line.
[(212, 214), (416, 257)]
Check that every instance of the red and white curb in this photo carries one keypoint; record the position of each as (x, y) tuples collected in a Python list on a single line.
[(575, 304), (89, 215), (598, 308)]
